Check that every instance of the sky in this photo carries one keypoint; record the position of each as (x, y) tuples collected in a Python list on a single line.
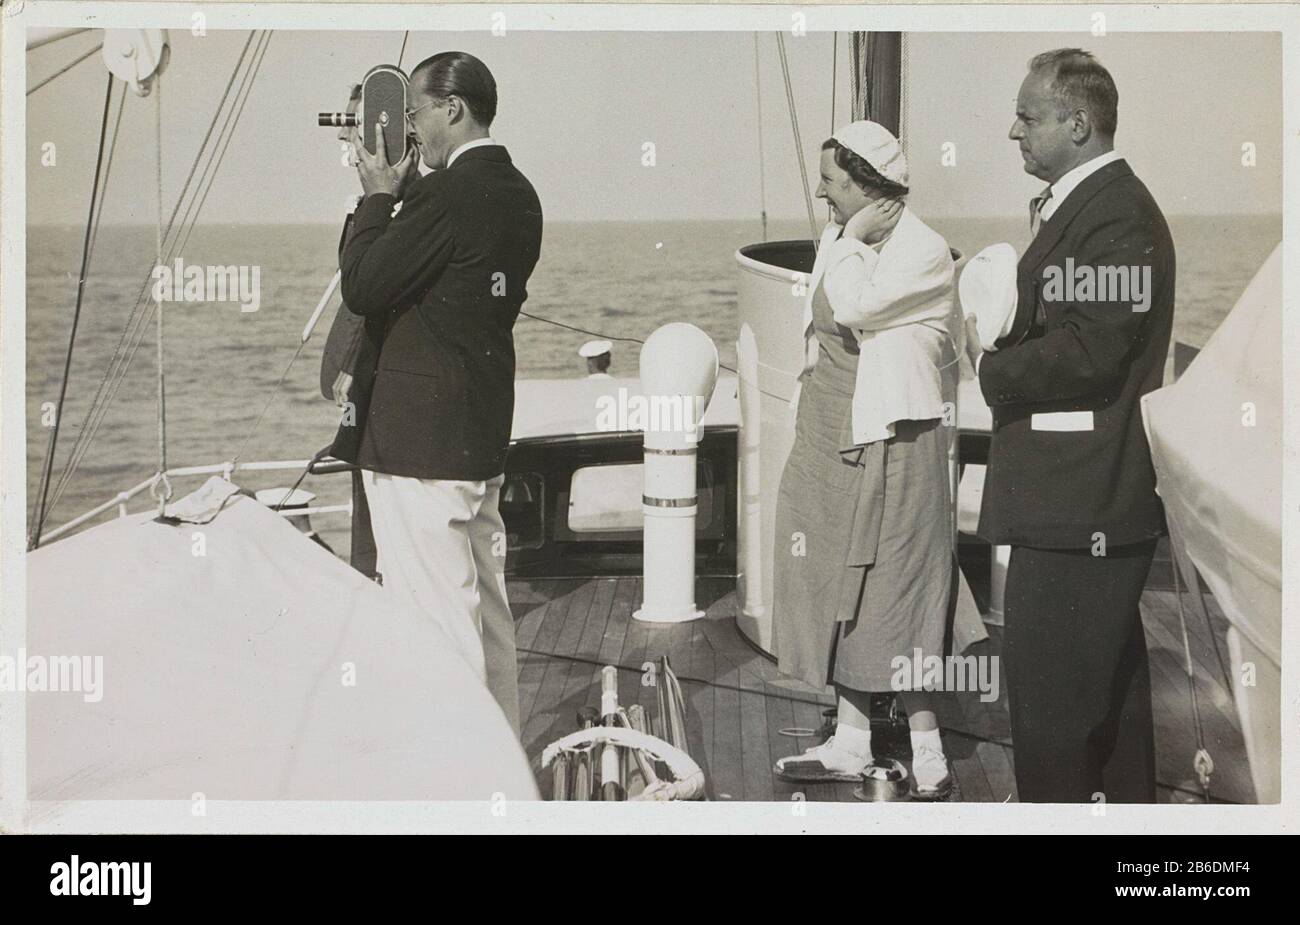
[(577, 108)]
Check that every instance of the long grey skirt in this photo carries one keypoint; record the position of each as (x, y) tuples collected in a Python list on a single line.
[(864, 569)]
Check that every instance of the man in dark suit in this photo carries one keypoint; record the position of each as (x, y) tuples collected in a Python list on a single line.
[(1070, 484), (440, 284)]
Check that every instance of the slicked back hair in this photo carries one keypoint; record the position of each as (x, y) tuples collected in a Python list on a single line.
[(1080, 82), (456, 73)]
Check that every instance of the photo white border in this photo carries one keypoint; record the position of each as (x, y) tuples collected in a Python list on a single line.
[(17, 814)]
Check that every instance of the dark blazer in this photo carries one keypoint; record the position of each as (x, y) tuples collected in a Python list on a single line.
[(1057, 489), (440, 285)]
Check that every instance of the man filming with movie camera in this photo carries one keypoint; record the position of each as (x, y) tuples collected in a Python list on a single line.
[(440, 284)]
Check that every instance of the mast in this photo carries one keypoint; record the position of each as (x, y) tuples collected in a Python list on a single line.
[(877, 62)]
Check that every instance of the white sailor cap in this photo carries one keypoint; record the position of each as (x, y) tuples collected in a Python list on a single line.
[(987, 289), (594, 348), (876, 145), (273, 497)]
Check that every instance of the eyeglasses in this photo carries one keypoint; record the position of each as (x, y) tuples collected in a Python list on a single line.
[(411, 112)]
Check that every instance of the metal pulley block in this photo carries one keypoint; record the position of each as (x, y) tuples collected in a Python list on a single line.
[(136, 56)]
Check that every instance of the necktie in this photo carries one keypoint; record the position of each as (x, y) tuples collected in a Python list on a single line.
[(1036, 210)]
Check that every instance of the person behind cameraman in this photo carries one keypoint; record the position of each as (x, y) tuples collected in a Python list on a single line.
[(440, 285)]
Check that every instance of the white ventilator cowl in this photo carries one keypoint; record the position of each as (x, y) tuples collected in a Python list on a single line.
[(987, 289), (679, 369), (877, 145), (679, 359)]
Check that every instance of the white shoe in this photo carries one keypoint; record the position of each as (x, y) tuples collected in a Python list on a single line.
[(931, 777), (825, 762)]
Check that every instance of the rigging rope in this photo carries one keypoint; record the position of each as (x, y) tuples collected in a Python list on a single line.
[(855, 78), (162, 486), (903, 98), (835, 60), (1202, 763), (275, 389), (762, 167), (835, 56), (133, 328), (48, 467), (133, 332), (63, 70), (108, 170), (798, 145)]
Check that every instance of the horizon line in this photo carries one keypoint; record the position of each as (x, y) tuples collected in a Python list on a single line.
[(614, 221)]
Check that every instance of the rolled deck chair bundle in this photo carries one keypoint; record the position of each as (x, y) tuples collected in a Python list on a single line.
[(609, 747)]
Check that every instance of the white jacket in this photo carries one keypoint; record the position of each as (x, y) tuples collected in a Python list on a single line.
[(900, 304)]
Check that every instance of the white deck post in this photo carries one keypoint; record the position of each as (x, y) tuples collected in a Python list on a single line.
[(679, 367)]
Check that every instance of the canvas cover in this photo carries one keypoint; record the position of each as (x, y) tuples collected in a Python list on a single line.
[(244, 662), (1216, 438)]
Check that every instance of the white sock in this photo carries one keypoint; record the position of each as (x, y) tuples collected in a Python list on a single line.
[(928, 737), (854, 740)]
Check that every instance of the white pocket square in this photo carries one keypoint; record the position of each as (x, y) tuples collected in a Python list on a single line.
[(1062, 421)]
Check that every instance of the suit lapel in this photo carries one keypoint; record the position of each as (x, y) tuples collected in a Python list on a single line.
[(1051, 230), (1049, 235)]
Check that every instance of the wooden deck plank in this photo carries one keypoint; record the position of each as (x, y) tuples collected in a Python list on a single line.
[(967, 768), (995, 761), (533, 667), (588, 646), (702, 707), (1176, 730), (636, 636), (620, 615), (780, 715), (728, 747), (737, 701), (551, 715), (529, 602), (553, 621), (1161, 624), (756, 771), (598, 615), (566, 642)]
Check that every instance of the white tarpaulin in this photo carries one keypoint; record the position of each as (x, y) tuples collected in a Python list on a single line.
[(1216, 438), (242, 661)]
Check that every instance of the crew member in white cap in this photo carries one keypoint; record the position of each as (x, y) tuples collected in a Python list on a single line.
[(597, 355), (865, 578)]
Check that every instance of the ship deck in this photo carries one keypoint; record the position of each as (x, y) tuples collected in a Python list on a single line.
[(740, 712)]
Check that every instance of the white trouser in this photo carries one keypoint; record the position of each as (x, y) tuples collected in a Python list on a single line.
[(441, 546)]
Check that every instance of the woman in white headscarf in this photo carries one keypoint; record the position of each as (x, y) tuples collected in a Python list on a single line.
[(865, 571)]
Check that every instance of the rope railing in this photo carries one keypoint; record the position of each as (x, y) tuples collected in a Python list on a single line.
[(223, 469)]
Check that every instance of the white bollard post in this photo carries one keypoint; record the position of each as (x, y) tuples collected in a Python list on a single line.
[(679, 368)]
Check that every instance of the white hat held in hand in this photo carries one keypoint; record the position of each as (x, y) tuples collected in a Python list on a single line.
[(987, 290), (876, 145)]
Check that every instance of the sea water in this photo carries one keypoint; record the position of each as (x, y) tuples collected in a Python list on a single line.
[(614, 279)]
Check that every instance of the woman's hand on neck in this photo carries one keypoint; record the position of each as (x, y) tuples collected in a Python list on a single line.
[(874, 221)]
